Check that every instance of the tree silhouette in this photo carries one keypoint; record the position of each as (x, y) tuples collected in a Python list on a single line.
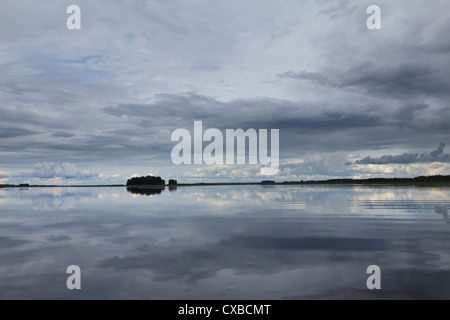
[(145, 181)]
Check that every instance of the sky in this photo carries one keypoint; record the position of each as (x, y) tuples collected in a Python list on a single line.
[(99, 104)]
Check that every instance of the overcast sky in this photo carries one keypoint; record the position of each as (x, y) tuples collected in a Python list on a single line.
[(98, 105)]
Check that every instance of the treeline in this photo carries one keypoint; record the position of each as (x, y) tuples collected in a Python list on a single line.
[(420, 179), (22, 185), (149, 181)]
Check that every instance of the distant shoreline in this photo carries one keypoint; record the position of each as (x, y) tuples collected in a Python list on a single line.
[(440, 181)]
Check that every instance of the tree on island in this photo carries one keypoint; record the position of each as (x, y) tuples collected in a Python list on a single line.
[(145, 181), (172, 182), (267, 182)]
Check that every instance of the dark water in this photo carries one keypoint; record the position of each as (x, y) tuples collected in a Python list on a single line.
[(225, 242)]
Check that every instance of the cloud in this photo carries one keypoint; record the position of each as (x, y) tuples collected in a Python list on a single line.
[(109, 95), (305, 126), (3, 174), (61, 134), (48, 170), (10, 132), (437, 155), (8, 242), (182, 109), (399, 79)]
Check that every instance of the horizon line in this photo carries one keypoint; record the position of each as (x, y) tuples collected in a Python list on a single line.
[(431, 178)]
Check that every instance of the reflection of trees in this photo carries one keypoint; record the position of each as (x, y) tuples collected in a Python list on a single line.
[(148, 191)]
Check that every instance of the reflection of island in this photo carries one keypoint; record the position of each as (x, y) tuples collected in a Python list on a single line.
[(148, 191)]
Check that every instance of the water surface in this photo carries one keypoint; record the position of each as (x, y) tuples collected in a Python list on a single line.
[(225, 242)]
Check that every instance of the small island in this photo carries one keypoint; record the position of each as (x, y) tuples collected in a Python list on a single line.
[(146, 185), (150, 181), (146, 181)]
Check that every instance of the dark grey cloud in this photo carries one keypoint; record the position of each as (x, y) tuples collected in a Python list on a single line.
[(11, 132), (437, 155), (55, 238), (400, 79), (185, 107), (61, 134), (304, 126), (182, 109), (8, 242)]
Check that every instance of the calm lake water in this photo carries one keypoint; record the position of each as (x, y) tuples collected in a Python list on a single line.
[(225, 242)]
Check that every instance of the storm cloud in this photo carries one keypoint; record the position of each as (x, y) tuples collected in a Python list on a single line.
[(437, 155), (6, 132), (403, 79)]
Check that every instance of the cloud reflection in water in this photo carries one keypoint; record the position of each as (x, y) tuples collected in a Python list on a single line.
[(240, 242)]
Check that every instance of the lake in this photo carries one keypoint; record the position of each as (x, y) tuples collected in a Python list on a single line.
[(225, 242)]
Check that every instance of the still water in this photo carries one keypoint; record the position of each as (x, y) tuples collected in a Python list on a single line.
[(225, 242)]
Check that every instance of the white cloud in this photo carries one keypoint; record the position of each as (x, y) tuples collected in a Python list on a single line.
[(49, 170)]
